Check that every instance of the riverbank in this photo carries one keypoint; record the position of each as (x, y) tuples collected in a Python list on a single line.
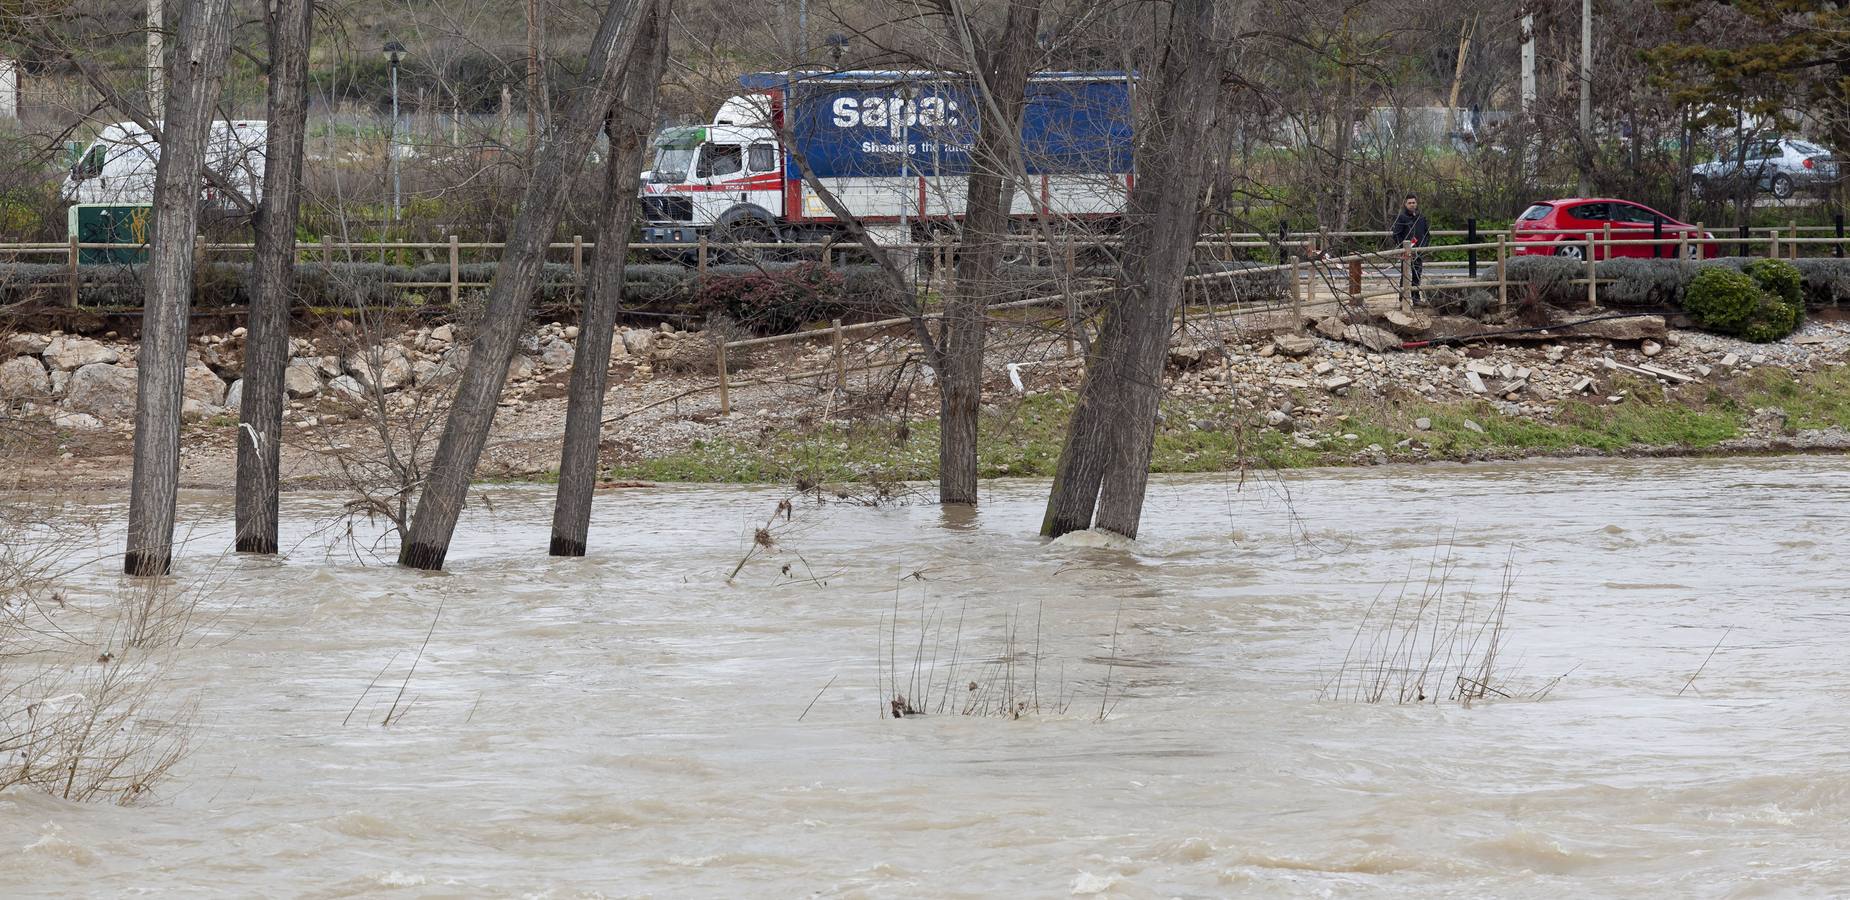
[(1242, 392)]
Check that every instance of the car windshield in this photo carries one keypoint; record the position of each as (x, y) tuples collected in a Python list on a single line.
[(1536, 212), (1808, 148)]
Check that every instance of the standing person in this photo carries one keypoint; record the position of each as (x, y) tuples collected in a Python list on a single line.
[(1411, 230)]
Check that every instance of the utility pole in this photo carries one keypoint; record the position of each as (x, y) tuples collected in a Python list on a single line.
[(1586, 97), (156, 71)]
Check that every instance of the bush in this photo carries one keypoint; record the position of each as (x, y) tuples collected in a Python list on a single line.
[(773, 300), (1723, 300), (1824, 281), (1778, 278)]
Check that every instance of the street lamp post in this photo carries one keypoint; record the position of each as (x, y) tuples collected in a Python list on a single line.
[(393, 50)]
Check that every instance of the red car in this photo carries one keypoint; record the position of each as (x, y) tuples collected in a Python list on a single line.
[(1579, 218)]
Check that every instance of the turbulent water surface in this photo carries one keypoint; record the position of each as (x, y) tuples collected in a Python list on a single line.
[(631, 724)]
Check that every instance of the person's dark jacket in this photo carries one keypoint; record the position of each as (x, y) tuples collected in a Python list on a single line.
[(1411, 226)]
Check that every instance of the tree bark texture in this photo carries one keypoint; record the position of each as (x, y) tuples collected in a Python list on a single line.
[(1002, 63), (204, 42), (266, 345), (1104, 466), (628, 126), (472, 409)]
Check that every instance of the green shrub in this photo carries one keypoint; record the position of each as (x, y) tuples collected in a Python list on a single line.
[(1723, 300), (1776, 277)]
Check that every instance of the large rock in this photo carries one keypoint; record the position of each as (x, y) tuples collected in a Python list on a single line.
[(1379, 340), (23, 377), (520, 369), (27, 344), (72, 353), (389, 365), (1294, 344), (556, 354), (234, 395), (102, 390), (346, 388), (225, 359), (302, 378), (639, 341), (443, 334), (204, 385)]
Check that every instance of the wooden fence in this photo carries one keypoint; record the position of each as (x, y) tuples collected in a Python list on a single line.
[(1493, 249)]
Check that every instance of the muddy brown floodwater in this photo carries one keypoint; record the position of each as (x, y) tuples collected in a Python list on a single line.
[(631, 725)]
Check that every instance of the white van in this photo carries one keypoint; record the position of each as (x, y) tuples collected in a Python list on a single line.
[(118, 167)]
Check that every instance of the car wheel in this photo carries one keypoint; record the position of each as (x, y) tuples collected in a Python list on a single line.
[(1693, 252), (1781, 186), (1578, 254)]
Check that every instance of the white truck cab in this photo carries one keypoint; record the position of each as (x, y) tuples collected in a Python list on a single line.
[(118, 167)]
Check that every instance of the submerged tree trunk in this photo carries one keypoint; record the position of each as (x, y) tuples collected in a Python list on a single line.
[(1105, 463), (628, 127), (266, 347), (197, 72), (1002, 74), (472, 410)]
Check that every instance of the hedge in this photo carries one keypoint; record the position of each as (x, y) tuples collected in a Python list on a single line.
[(1822, 281)]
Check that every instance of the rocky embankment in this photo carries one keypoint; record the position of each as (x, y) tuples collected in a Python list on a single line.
[(84, 383)]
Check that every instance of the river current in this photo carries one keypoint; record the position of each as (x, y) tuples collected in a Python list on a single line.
[(633, 724)]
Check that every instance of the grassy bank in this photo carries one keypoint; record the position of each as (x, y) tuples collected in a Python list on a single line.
[(1023, 437)]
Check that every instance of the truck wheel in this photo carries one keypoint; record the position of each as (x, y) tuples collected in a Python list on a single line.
[(746, 231)]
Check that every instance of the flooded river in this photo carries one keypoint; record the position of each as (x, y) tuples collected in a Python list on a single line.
[(632, 725)]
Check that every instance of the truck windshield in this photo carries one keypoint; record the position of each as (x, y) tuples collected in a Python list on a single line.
[(672, 163)]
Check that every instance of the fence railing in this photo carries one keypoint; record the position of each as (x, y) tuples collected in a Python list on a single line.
[(1306, 248)]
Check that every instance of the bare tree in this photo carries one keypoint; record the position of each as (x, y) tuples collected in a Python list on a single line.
[(628, 126), (1001, 63), (1105, 463), (472, 412), (197, 73), (266, 350)]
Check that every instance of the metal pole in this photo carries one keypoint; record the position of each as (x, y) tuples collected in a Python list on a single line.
[(1586, 89), (391, 142), (1471, 238), (1838, 249)]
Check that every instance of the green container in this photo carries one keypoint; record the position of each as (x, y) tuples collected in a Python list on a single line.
[(111, 223)]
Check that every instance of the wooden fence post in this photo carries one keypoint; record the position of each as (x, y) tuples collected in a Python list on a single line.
[(1683, 244), (72, 299), (1355, 280), (1592, 282), (455, 271), (578, 258), (725, 394), (841, 359), (327, 250), (1406, 279), (1701, 248), (1794, 223), (1772, 243), (700, 260), (1503, 278), (828, 255), (1297, 296)]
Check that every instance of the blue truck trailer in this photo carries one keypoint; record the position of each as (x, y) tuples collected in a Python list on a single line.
[(893, 147)]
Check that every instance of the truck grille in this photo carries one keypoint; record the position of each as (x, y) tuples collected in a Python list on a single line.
[(667, 209)]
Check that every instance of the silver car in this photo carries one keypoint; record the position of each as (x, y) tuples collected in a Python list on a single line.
[(1779, 166)]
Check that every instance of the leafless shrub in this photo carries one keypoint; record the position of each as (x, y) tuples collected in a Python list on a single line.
[(1003, 680), (86, 710), (1433, 643)]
